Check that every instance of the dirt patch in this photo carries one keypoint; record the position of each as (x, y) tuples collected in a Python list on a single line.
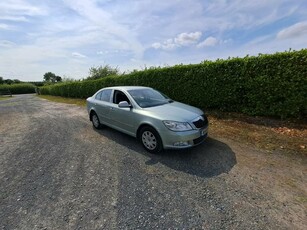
[(268, 134)]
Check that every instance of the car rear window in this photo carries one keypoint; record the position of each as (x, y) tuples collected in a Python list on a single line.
[(104, 95)]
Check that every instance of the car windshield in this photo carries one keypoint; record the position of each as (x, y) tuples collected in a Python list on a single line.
[(148, 97)]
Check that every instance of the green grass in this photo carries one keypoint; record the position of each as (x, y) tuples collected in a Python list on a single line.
[(4, 98), (301, 199), (74, 101)]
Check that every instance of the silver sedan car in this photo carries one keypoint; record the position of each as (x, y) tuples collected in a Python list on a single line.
[(150, 116)]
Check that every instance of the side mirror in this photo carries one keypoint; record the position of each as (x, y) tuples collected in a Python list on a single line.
[(124, 104)]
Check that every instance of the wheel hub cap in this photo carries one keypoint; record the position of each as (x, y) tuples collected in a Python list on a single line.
[(95, 121), (149, 140)]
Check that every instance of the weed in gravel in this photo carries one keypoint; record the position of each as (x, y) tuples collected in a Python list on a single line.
[(75, 101), (301, 199)]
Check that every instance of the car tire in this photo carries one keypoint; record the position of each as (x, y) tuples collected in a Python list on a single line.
[(150, 139), (95, 121)]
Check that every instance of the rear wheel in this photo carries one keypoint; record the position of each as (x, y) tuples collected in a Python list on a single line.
[(95, 121), (150, 140)]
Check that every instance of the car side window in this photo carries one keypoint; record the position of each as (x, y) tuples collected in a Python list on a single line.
[(119, 96), (105, 95), (97, 97)]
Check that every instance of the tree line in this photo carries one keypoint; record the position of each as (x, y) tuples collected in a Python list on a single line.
[(94, 74), (9, 81), (51, 78)]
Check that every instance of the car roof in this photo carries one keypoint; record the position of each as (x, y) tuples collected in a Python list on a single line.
[(127, 87)]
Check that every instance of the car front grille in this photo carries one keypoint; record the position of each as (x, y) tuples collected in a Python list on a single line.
[(201, 123)]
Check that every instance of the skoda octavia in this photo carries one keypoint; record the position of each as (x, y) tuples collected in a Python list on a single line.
[(150, 116)]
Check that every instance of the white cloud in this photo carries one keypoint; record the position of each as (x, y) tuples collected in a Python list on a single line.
[(227, 41), (27, 61), (14, 18), (209, 41), (226, 15), (183, 39), (4, 26), (169, 44), (17, 9), (113, 52), (103, 19), (187, 38), (293, 31), (157, 45), (78, 55), (102, 52)]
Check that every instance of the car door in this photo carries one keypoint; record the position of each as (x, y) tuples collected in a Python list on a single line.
[(103, 105), (122, 118)]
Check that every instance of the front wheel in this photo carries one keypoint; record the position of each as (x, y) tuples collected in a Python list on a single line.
[(151, 140), (95, 121)]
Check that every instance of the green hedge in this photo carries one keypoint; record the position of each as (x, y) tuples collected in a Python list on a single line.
[(20, 88), (270, 85)]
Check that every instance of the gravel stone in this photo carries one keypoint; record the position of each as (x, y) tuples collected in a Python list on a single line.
[(57, 172)]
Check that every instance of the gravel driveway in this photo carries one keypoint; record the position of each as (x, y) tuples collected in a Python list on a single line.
[(57, 172)]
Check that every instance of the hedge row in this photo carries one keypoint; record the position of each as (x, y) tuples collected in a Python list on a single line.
[(270, 85), (20, 88)]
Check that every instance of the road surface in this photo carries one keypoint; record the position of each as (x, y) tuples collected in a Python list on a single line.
[(57, 172)]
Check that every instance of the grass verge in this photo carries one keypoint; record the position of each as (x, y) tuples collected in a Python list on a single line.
[(271, 135), (75, 101), (5, 97)]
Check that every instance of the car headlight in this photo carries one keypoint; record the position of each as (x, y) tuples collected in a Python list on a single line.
[(177, 126)]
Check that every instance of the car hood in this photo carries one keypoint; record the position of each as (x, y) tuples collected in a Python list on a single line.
[(174, 111)]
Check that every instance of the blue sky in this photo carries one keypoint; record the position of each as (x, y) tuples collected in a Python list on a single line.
[(68, 37)]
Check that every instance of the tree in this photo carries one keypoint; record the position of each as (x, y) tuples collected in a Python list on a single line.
[(68, 79), (58, 79), (16, 81), (102, 71), (8, 81), (51, 77)]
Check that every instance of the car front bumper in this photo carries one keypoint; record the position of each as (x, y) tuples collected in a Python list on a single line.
[(182, 140)]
